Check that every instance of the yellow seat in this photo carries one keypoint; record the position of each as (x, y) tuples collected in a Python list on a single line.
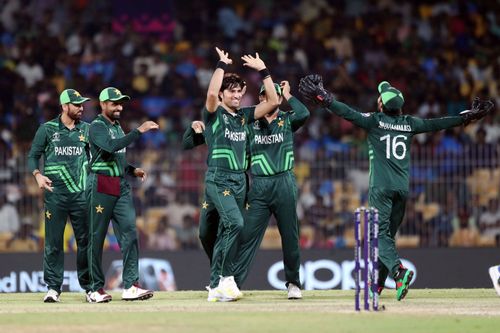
[(408, 241), (272, 239), (152, 216)]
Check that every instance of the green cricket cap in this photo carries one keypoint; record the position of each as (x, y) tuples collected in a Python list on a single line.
[(276, 86), (112, 94), (392, 98), (72, 96)]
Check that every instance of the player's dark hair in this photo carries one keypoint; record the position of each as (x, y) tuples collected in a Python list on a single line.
[(391, 112), (231, 81)]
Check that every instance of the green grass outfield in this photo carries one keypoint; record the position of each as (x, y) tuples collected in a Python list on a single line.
[(425, 310)]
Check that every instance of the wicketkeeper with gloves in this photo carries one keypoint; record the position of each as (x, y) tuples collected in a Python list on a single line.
[(389, 141)]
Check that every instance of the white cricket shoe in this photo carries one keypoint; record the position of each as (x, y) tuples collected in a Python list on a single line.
[(228, 287), (99, 296), (52, 296), (136, 293), (215, 295), (294, 292), (495, 278)]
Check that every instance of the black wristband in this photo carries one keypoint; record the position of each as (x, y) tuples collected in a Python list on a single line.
[(264, 73), (222, 65)]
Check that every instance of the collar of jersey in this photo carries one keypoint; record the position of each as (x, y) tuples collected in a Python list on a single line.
[(238, 113)]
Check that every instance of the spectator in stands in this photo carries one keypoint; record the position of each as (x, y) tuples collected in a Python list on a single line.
[(164, 237), (9, 217), (489, 221), (24, 240), (187, 236), (464, 235), (179, 209)]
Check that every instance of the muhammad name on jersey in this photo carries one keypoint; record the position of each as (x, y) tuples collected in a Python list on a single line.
[(235, 136), (68, 151), (394, 127), (269, 139)]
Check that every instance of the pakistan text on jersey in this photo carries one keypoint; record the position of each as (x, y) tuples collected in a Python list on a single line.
[(269, 139), (68, 151), (235, 136), (395, 127)]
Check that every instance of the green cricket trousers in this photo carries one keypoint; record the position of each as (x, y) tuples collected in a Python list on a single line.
[(226, 191), (271, 195), (58, 207), (119, 208), (391, 205)]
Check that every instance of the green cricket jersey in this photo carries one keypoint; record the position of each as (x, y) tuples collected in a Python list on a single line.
[(226, 138), (108, 145), (271, 144), (65, 154), (389, 142), (191, 139)]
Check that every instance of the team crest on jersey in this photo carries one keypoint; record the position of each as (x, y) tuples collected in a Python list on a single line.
[(226, 121), (56, 137), (256, 125)]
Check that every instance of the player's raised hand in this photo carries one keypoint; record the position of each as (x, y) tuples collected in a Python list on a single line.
[(311, 87), (285, 89), (253, 62), (140, 173), (44, 182), (480, 108), (223, 56), (147, 126), (198, 126)]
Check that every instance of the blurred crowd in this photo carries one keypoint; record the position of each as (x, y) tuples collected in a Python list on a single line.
[(440, 54)]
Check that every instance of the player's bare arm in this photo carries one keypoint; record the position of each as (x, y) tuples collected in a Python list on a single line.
[(212, 101), (272, 97)]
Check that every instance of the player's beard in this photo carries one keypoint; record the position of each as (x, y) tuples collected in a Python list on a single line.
[(116, 115), (113, 114), (75, 115)]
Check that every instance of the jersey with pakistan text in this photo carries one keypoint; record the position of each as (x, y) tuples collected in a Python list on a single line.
[(108, 145), (226, 138), (65, 154), (271, 144), (389, 142)]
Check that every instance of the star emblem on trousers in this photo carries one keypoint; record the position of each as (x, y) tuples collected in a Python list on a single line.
[(48, 215), (226, 193), (99, 209), (204, 205)]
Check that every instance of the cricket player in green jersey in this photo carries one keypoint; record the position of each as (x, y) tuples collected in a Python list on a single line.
[(389, 141), (209, 217), (225, 180), (273, 189), (63, 142), (109, 196)]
